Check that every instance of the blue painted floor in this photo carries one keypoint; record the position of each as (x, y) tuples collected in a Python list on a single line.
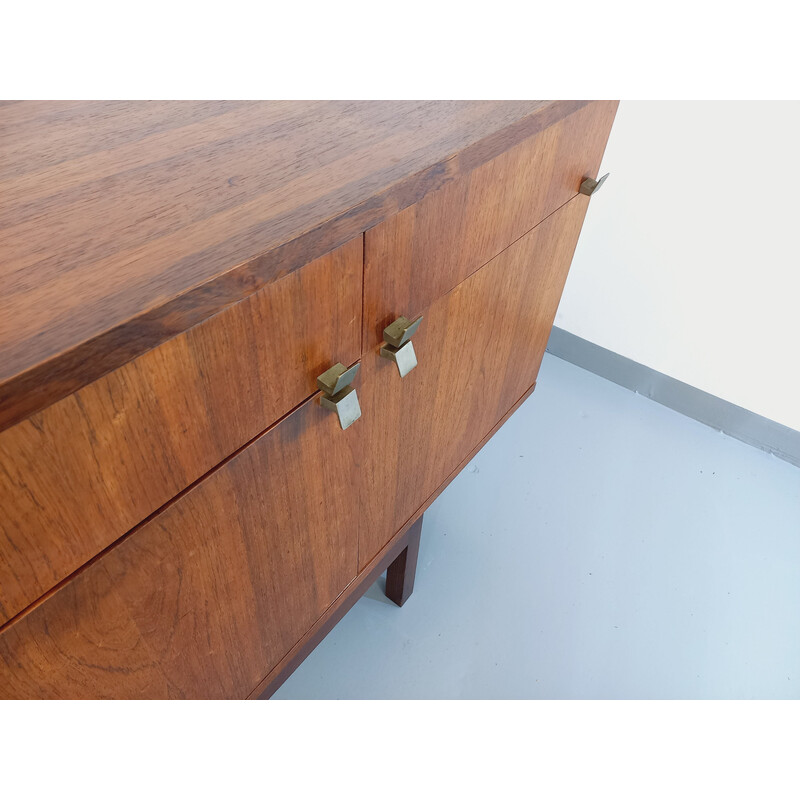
[(599, 546)]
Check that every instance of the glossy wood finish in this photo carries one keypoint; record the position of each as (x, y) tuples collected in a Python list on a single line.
[(401, 572), (479, 348), (208, 596), (366, 577), (141, 346), (326, 623), (424, 251), (125, 224), (81, 473)]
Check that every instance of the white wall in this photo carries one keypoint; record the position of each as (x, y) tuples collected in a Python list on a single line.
[(689, 261)]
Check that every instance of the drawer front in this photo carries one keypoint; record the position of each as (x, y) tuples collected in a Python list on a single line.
[(424, 251), (479, 349), (205, 598), (79, 474)]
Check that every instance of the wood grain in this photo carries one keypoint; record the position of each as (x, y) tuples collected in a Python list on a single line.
[(206, 598), (81, 473), (366, 577), (325, 624), (157, 318), (424, 251), (125, 224), (478, 347)]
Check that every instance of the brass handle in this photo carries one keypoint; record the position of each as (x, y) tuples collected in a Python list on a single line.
[(398, 347), (590, 185), (338, 395)]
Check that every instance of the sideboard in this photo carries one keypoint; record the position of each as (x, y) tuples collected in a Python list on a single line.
[(243, 346)]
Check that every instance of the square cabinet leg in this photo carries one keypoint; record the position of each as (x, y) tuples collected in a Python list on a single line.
[(400, 575)]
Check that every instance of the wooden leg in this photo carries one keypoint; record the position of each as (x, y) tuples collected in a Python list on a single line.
[(400, 575)]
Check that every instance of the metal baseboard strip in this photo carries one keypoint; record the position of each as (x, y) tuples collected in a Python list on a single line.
[(748, 427)]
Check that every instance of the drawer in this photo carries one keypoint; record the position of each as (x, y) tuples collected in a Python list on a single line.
[(478, 348), (205, 598), (82, 472), (424, 251)]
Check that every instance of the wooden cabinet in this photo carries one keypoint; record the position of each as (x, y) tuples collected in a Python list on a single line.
[(181, 515)]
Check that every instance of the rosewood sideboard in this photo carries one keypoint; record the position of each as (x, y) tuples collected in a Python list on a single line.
[(243, 346)]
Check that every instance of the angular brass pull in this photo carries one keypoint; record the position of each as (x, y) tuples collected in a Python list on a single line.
[(400, 331), (590, 185), (398, 347), (333, 380), (338, 395)]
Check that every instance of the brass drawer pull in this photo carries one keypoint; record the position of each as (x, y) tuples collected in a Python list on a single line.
[(338, 395), (590, 185), (398, 347)]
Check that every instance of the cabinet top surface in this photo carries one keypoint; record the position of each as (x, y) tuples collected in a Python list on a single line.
[(124, 223)]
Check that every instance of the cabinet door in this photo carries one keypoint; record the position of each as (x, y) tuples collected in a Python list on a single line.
[(82, 472), (206, 597), (479, 348)]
